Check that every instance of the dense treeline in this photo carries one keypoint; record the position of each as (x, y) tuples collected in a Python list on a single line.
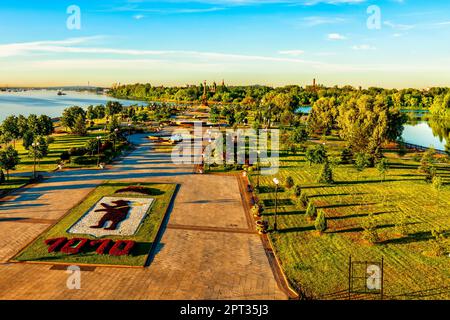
[(438, 98)]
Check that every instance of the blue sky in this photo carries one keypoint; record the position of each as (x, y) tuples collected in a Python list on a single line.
[(273, 42)]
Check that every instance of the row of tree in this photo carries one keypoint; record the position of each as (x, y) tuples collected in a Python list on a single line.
[(253, 95)]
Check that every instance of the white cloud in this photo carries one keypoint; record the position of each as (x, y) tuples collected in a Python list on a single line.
[(317, 20), (336, 36), (363, 47), (138, 16), (292, 52), (397, 26)]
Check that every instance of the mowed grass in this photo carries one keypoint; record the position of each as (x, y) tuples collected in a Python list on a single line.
[(63, 142), (145, 236), (12, 184), (318, 264)]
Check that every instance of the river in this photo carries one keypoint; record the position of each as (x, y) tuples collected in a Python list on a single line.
[(49, 102)]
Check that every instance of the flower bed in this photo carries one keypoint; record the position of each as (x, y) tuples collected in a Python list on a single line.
[(80, 237)]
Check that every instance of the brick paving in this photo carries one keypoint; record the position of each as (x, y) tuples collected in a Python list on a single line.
[(206, 252)]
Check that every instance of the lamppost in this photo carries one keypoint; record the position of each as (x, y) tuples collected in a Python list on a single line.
[(116, 130), (98, 150), (35, 145), (129, 132), (277, 182)]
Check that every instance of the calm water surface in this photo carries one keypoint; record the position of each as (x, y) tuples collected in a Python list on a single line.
[(49, 103)]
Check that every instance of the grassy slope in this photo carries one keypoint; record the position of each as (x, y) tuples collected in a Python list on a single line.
[(37, 251), (319, 264)]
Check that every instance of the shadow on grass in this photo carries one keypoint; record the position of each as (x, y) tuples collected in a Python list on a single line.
[(280, 202), (360, 229), (411, 238), (297, 229)]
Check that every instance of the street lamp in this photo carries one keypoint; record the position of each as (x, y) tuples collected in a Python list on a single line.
[(277, 182), (129, 132), (35, 145), (98, 150), (259, 168)]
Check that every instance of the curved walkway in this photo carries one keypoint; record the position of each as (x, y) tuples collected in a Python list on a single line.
[(204, 253)]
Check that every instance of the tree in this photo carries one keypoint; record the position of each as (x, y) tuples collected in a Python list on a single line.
[(2, 177), (311, 211), (10, 128), (370, 232), (114, 124), (427, 164), (90, 113), (316, 154), (367, 121), (99, 111), (361, 162), (303, 200), (214, 114), (79, 127), (326, 174), (45, 125), (437, 183), (298, 135), (9, 159), (321, 222), (297, 190), (71, 116), (113, 108), (322, 117), (91, 146), (27, 139), (383, 167)]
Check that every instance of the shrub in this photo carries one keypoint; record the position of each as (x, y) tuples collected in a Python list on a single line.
[(437, 183), (289, 182), (84, 160), (311, 211), (77, 152), (65, 156), (370, 232), (321, 222), (303, 199), (297, 190), (438, 247)]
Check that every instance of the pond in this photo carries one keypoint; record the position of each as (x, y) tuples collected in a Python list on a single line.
[(49, 102), (427, 134)]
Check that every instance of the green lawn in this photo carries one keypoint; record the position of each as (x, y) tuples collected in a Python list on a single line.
[(145, 236), (63, 142), (318, 264), (13, 183)]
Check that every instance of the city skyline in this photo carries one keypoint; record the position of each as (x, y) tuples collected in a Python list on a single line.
[(245, 42)]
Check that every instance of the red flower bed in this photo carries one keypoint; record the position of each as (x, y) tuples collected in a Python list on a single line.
[(116, 250), (69, 249), (76, 246)]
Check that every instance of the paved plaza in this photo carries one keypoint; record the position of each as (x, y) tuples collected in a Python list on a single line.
[(208, 249)]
